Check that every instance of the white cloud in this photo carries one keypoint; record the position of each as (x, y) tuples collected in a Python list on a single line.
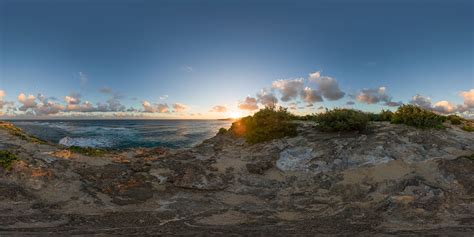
[(373, 96), (179, 107), (422, 101), (328, 87), (219, 109), (376, 95), (2, 95), (28, 102), (154, 108), (164, 97), (266, 98), (468, 97), (310, 96), (289, 88), (444, 107), (314, 75), (249, 103)]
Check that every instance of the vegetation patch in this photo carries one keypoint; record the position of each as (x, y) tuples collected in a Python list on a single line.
[(454, 119), (6, 159), (88, 151), (415, 116), (342, 120), (384, 115), (18, 132), (467, 128), (222, 131), (267, 124)]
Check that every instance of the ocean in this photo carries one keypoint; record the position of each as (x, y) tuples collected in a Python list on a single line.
[(120, 134)]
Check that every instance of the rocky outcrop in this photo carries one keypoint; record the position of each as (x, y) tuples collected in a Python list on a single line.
[(390, 179)]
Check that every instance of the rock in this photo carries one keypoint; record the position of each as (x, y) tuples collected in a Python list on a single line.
[(295, 159), (259, 167)]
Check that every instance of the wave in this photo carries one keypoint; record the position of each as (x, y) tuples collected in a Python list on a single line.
[(85, 142)]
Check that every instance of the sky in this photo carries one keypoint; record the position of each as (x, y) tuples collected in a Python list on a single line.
[(225, 58)]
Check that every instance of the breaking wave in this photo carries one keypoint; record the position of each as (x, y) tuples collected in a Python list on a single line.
[(86, 142)]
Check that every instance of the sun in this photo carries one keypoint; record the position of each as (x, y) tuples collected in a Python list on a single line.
[(235, 114)]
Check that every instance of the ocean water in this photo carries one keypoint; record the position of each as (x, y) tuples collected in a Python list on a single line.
[(124, 133)]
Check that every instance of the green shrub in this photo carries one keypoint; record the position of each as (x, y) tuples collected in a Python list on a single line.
[(373, 116), (342, 120), (6, 159), (454, 119), (468, 128), (417, 117), (265, 125), (222, 131), (89, 151), (385, 115)]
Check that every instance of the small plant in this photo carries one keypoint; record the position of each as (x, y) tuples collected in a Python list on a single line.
[(265, 125), (415, 116), (454, 119), (89, 151), (6, 159), (385, 115), (467, 128), (342, 120), (222, 131)]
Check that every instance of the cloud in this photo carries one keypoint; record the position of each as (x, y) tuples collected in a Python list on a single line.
[(373, 96), (376, 95), (49, 107), (314, 75), (289, 88), (421, 101), (73, 99), (328, 87), (2, 95), (393, 103), (219, 109), (266, 98), (28, 102), (164, 97), (154, 108), (310, 96), (444, 107), (179, 107), (468, 97), (350, 103), (249, 103)]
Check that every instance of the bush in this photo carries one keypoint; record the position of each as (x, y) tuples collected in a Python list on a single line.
[(385, 115), (342, 120), (88, 151), (222, 131), (467, 128), (7, 159), (265, 125), (454, 119), (415, 116)]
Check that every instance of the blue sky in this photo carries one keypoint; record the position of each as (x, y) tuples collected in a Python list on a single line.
[(207, 53)]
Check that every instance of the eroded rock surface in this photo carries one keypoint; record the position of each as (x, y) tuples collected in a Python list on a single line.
[(391, 179)]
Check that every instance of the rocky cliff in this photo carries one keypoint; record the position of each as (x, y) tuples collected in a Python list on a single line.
[(391, 179)]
